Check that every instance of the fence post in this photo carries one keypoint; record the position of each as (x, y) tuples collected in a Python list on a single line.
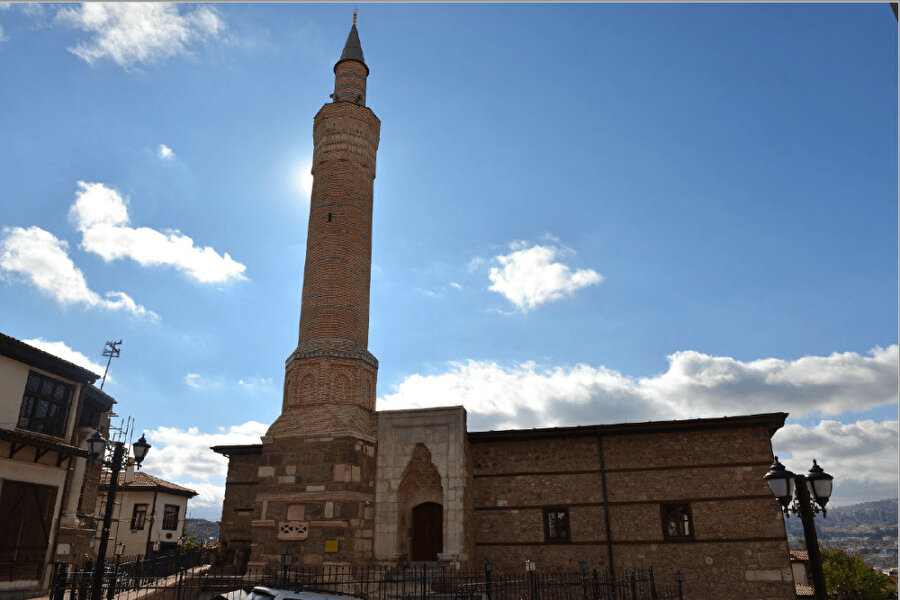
[(652, 585), (84, 584), (59, 582), (487, 577), (111, 580)]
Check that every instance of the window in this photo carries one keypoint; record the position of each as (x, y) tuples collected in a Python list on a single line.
[(556, 525), (676, 522), (170, 517), (138, 516), (45, 405)]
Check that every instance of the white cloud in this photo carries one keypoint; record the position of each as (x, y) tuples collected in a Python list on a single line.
[(531, 276), (62, 350), (3, 37), (254, 383), (101, 215), (183, 456), (133, 33), (862, 456), (165, 153), (695, 385), (453, 284), (194, 380), (208, 502), (38, 256)]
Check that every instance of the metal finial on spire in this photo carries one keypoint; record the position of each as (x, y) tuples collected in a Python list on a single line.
[(355, 10)]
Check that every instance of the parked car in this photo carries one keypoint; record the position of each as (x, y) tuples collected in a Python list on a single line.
[(266, 593)]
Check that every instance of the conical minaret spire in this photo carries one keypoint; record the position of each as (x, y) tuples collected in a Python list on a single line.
[(352, 48)]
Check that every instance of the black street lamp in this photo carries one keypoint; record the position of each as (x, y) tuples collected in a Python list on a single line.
[(96, 446), (804, 495)]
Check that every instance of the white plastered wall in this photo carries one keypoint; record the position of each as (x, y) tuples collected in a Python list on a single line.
[(136, 541), (443, 432), (13, 377)]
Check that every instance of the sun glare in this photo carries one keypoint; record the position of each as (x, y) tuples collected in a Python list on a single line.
[(303, 179)]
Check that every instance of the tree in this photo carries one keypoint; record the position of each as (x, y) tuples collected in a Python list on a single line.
[(847, 577)]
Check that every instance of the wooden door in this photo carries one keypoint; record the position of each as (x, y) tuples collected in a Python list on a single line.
[(26, 516), (427, 531)]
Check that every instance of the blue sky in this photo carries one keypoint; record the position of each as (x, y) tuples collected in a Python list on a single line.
[(583, 213)]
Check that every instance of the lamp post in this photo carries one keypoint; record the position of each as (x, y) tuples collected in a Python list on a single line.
[(96, 446), (793, 492)]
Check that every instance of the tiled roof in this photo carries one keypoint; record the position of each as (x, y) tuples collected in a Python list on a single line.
[(146, 482), (799, 555), (804, 591)]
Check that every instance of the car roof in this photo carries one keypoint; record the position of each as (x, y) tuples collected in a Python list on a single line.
[(281, 594)]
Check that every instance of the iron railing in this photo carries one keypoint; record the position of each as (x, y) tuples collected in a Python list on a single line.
[(418, 582)]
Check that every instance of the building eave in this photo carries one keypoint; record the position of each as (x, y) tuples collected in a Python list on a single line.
[(771, 421), (40, 441), (237, 449), (18, 350)]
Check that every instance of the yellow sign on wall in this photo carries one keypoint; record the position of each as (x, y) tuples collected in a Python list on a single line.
[(332, 545)]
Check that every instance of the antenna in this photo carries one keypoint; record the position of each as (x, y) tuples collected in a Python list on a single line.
[(111, 349)]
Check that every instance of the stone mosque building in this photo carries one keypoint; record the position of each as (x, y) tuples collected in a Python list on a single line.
[(335, 482)]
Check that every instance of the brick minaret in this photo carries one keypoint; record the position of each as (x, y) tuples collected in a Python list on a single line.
[(315, 489)]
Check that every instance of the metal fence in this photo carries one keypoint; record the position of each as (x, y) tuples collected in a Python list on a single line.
[(382, 583)]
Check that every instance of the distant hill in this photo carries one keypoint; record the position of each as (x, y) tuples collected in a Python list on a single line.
[(879, 511), (205, 531), (878, 517)]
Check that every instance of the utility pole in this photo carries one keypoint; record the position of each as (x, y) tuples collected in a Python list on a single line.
[(111, 349)]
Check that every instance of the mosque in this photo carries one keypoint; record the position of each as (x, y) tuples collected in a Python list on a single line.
[(335, 482)]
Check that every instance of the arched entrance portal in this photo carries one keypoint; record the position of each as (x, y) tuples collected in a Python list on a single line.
[(427, 531)]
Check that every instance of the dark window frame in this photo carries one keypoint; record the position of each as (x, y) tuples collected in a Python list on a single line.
[(138, 517), (674, 512), (46, 403), (169, 516), (554, 536)]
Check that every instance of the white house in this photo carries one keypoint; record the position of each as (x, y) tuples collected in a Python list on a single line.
[(149, 515), (48, 408)]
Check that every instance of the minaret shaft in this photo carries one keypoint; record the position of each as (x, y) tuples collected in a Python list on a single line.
[(337, 275)]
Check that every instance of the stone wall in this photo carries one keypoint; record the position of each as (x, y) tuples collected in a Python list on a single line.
[(239, 506), (736, 547), (314, 499), (422, 457)]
